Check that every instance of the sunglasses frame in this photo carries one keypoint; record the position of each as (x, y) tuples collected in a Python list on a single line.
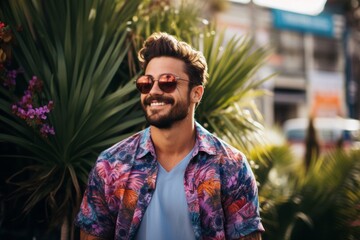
[(160, 83)]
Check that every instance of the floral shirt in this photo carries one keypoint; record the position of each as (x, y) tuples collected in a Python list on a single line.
[(220, 189)]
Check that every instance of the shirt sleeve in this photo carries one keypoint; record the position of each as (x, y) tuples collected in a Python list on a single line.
[(94, 216), (241, 204)]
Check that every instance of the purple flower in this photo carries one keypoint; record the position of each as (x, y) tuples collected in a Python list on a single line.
[(46, 129), (35, 85), (31, 113), (28, 108), (9, 77)]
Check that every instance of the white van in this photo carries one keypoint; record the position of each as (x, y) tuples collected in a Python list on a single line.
[(330, 133)]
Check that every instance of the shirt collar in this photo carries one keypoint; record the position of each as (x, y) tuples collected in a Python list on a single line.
[(204, 141), (145, 145)]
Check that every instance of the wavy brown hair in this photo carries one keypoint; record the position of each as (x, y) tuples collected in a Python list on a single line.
[(161, 44)]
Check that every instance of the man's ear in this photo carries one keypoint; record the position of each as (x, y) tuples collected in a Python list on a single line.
[(197, 93)]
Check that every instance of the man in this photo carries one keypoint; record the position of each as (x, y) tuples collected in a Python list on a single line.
[(173, 180)]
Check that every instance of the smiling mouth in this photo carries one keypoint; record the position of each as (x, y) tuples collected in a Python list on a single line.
[(154, 104), (158, 101)]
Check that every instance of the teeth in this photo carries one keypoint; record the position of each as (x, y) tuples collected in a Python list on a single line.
[(157, 104)]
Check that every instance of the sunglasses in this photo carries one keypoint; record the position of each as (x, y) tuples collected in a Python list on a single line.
[(167, 83)]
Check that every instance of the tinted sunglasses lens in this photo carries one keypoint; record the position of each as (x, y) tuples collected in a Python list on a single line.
[(167, 83), (144, 84)]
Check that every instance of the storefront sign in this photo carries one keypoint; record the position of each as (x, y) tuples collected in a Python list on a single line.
[(322, 24), (326, 94)]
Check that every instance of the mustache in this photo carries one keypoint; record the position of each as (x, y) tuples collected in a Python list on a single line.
[(150, 98)]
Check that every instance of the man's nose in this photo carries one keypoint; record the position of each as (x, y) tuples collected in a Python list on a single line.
[(156, 89)]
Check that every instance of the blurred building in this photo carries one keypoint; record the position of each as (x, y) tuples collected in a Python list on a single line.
[(309, 55)]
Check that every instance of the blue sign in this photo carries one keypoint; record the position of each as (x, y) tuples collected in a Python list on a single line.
[(322, 24)]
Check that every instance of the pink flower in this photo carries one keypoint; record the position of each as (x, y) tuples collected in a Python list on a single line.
[(31, 113), (46, 129), (27, 108)]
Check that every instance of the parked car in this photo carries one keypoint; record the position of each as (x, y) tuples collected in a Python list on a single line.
[(331, 133)]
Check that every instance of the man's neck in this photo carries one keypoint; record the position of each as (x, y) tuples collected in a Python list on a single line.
[(173, 144)]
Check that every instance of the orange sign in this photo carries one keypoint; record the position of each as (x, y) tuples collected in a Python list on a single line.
[(326, 104)]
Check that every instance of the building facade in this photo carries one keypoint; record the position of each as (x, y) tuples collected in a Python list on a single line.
[(308, 55)]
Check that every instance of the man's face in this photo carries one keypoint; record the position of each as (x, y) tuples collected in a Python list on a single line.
[(162, 109)]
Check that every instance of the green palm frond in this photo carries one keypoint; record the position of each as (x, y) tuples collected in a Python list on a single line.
[(76, 49), (182, 21), (348, 201), (320, 203), (331, 193), (228, 106)]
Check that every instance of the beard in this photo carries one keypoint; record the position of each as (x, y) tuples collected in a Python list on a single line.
[(178, 111)]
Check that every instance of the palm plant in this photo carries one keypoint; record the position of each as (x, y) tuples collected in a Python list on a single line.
[(75, 48), (160, 16), (331, 197), (275, 170), (228, 107), (320, 201)]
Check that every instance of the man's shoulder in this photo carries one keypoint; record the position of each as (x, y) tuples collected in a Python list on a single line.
[(116, 163), (126, 146)]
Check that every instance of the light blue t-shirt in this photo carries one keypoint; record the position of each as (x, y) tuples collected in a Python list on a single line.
[(167, 216)]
